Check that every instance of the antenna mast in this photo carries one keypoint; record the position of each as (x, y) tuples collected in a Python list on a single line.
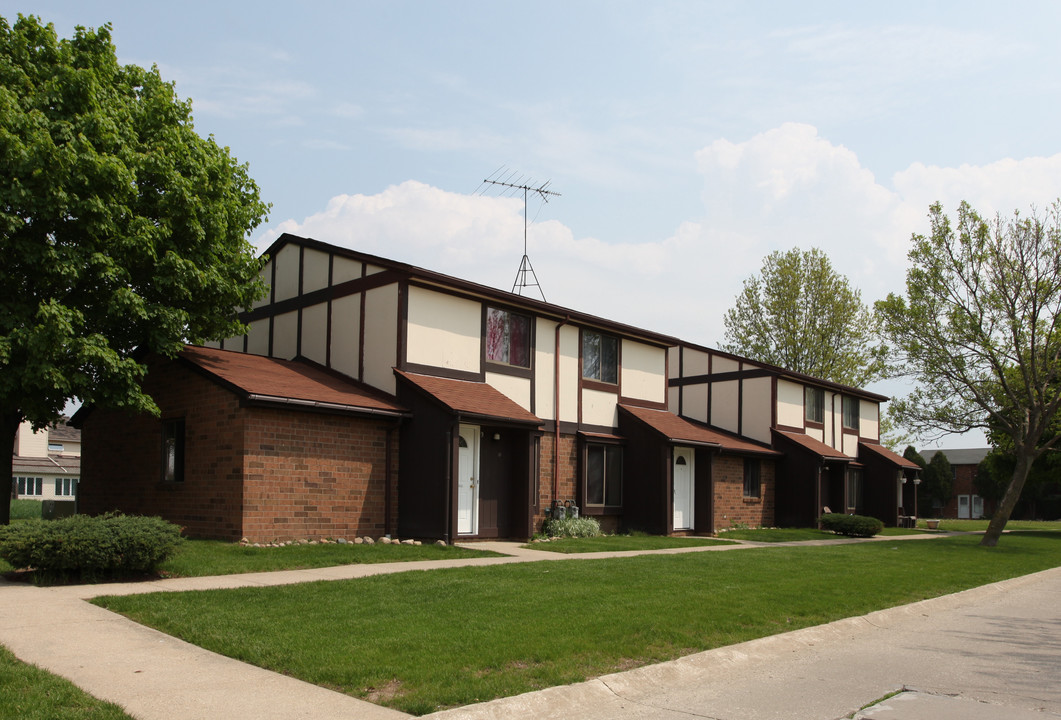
[(525, 274)]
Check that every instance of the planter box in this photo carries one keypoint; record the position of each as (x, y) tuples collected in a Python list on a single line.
[(932, 524)]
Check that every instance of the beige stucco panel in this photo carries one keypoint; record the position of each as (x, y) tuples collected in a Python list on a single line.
[(287, 270), (258, 337), (695, 362), (315, 333), (29, 443), (570, 372), (314, 270), (381, 325), (444, 331), (869, 419), (816, 434), (266, 273), (644, 371), (285, 335), (672, 399), (346, 329), (599, 408), (789, 403), (758, 413), (724, 405), (544, 368), (515, 388), (723, 365), (694, 402), (344, 269)]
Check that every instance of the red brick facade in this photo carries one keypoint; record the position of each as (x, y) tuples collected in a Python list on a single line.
[(963, 485), (731, 507), (259, 473)]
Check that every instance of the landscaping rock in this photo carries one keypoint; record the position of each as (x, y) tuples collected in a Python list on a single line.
[(343, 541), (441, 542), (407, 542), (369, 541), (359, 541)]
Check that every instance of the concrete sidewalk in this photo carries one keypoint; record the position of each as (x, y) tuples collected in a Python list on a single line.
[(1000, 645)]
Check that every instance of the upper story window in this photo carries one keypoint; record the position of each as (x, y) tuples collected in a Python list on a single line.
[(814, 405), (507, 337), (600, 357), (55, 447), (851, 414)]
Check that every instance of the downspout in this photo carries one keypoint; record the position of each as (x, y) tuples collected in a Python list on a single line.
[(818, 495), (556, 411)]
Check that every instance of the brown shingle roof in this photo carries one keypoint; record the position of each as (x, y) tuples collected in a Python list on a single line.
[(815, 446), (678, 429), (471, 398), (270, 380), (894, 457)]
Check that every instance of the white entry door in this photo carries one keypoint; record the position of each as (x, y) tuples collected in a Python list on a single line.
[(963, 507), (468, 481), (683, 488)]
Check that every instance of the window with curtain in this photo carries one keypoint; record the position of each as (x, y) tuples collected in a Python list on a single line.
[(507, 337)]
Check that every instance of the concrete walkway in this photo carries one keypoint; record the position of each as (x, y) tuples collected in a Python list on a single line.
[(994, 650)]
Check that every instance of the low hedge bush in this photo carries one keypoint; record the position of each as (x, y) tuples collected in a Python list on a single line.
[(851, 525), (89, 548), (571, 527)]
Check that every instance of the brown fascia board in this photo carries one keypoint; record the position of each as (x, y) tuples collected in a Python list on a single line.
[(430, 277), (792, 374)]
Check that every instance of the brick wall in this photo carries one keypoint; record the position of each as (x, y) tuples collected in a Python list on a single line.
[(963, 485), (730, 506), (568, 488), (258, 473), (122, 456), (315, 476)]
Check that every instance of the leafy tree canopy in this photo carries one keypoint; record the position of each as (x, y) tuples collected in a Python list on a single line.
[(120, 227), (800, 314), (937, 481), (979, 328)]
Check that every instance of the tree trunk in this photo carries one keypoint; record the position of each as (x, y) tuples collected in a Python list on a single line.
[(9, 423), (1009, 499)]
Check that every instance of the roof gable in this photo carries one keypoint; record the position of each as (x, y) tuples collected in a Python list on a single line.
[(465, 397)]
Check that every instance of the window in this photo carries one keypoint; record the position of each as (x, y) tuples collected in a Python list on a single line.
[(851, 413), (55, 447), (752, 475), (604, 475), (854, 490), (65, 487), (814, 402), (29, 486), (507, 337), (600, 357), (173, 450)]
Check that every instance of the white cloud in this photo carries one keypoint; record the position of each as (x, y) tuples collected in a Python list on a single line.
[(780, 189)]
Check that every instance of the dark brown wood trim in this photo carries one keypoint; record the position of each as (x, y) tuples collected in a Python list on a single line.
[(681, 372), (719, 377), (332, 292), (638, 402), (450, 373), (361, 330), (401, 333), (789, 428), (301, 285), (740, 399), (328, 316), (588, 384), (600, 429)]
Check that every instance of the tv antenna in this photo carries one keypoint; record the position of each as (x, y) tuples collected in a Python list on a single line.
[(525, 276)]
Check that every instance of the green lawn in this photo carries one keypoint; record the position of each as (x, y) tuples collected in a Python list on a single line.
[(424, 640), (197, 558), (29, 693), (981, 525), (617, 543)]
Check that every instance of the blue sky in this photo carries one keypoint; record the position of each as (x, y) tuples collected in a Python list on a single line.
[(687, 139)]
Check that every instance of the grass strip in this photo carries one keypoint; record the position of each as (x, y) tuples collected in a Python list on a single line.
[(425, 640), (619, 543), (200, 558), (29, 693)]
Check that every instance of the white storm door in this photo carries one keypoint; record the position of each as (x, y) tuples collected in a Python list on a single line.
[(468, 481), (978, 506), (963, 507), (683, 488)]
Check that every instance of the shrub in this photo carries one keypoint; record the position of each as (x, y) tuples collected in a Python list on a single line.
[(89, 549), (851, 525), (571, 527)]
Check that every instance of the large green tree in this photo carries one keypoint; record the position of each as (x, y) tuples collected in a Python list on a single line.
[(800, 314), (120, 227), (979, 329)]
